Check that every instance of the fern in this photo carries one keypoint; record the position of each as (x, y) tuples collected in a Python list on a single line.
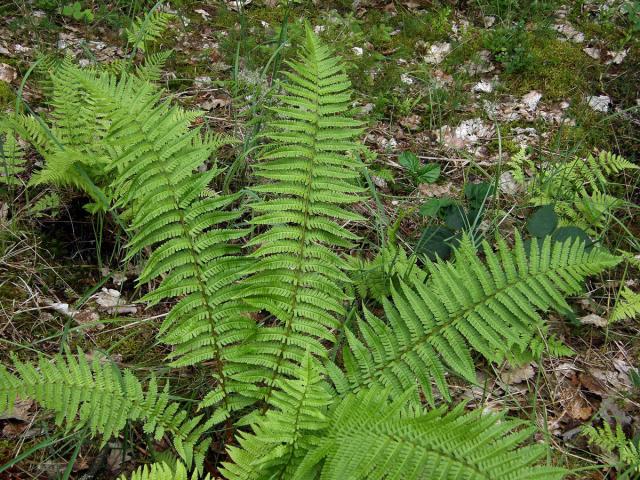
[(162, 471), (372, 438), (624, 453), (628, 307), (465, 306), (577, 189), (12, 162), (311, 173), (365, 436), (148, 29), (154, 154), (103, 399), (283, 435)]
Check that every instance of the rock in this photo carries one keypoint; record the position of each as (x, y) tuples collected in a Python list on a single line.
[(406, 79), (467, 133), (358, 51), (593, 319), (599, 103)]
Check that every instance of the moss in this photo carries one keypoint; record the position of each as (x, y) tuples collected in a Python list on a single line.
[(561, 70), (7, 97)]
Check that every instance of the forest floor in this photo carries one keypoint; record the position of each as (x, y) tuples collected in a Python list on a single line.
[(458, 87)]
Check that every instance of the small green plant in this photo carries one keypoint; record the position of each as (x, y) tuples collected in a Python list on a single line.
[(429, 173), (511, 47), (440, 240), (74, 10), (147, 29), (627, 306), (621, 453)]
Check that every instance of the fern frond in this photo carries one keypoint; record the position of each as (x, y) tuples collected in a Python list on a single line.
[(283, 435), (627, 307), (103, 399), (625, 451), (162, 471), (374, 439), (492, 308), (148, 29), (12, 161), (311, 175), (154, 158), (151, 69)]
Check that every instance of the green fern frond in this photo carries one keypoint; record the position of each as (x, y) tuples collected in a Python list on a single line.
[(627, 307), (284, 434), (491, 308), (622, 452), (311, 174), (374, 439), (12, 161), (103, 399), (148, 29), (151, 69), (155, 156), (519, 164), (162, 471)]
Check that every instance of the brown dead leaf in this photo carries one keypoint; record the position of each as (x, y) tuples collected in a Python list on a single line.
[(514, 375), (7, 73), (412, 122), (577, 407), (435, 190), (21, 411), (14, 429), (593, 319)]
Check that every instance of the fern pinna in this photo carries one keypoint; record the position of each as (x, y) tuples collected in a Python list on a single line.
[(103, 399), (311, 169)]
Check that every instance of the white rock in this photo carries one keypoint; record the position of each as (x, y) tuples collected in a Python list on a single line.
[(319, 29), (489, 21), (483, 86), (599, 103), (202, 81), (358, 51), (531, 99), (437, 53)]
